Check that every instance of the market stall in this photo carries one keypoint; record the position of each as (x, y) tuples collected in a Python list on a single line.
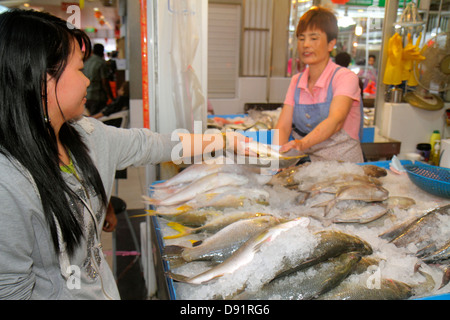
[(383, 229), (323, 230)]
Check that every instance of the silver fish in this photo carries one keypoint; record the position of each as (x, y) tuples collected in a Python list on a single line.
[(229, 197), (191, 173), (219, 198), (341, 180), (199, 186), (440, 255), (399, 202), (266, 151), (222, 244), (419, 231), (243, 256), (214, 224), (362, 215), (365, 192), (191, 218)]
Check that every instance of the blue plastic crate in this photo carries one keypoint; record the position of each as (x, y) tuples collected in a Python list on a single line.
[(432, 179)]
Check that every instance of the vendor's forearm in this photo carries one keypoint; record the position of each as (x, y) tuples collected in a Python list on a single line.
[(281, 136)]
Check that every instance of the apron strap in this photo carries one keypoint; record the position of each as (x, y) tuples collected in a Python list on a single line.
[(330, 87), (297, 90)]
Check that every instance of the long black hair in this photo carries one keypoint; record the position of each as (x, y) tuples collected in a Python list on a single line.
[(32, 46)]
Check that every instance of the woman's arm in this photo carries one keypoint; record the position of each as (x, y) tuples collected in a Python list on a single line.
[(198, 144), (339, 110), (283, 128)]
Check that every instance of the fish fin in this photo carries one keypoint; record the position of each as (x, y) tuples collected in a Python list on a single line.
[(329, 204), (261, 242), (149, 213), (184, 208), (177, 277), (183, 230), (303, 196)]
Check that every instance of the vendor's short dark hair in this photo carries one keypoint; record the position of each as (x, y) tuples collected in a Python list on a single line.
[(319, 18)]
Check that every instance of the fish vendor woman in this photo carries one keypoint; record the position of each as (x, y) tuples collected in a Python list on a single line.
[(322, 109)]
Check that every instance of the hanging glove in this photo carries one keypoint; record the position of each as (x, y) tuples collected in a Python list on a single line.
[(410, 56), (393, 72), (418, 56)]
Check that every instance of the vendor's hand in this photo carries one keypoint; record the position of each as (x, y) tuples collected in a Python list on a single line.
[(110, 220), (236, 142), (294, 144)]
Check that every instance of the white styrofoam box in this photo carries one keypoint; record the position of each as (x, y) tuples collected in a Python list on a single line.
[(411, 125)]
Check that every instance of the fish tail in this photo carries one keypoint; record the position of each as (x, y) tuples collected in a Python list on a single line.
[(149, 213), (425, 286), (308, 196), (177, 277), (183, 230), (173, 255), (327, 204)]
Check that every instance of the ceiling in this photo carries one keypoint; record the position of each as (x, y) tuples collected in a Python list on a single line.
[(108, 9)]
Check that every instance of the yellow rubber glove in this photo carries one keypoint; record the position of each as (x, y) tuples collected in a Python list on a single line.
[(393, 72), (418, 57), (411, 55)]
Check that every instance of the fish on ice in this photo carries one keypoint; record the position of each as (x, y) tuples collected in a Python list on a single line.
[(244, 255), (214, 224), (202, 185), (220, 245)]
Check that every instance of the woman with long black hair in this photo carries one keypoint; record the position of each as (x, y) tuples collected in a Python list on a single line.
[(56, 167)]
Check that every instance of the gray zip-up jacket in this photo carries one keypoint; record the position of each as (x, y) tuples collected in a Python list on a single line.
[(30, 268)]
